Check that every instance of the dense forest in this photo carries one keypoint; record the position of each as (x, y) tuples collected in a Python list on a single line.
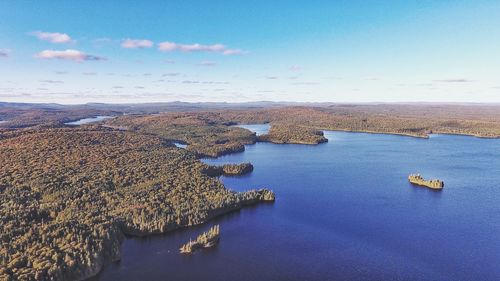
[(413, 120), (68, 195), (229, 170), (285, 133), (22, 117), (206, 133), (416, 120)]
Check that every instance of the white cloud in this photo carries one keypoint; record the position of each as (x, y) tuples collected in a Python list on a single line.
[(216, 48), (458, 80), (52, 81), (136, 43), (53, 37), (69, 54), (207, 63), (229, 52), (4, 53)]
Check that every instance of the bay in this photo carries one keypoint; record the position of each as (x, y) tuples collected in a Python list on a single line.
[(344, 210)]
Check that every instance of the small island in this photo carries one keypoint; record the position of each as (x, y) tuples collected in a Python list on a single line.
[(419, 180), (228, 170), (237, 169), (205, 240)]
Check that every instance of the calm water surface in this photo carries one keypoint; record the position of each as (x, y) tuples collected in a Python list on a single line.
[(345, 211), (259, 129), (179, 145), (88, 120)]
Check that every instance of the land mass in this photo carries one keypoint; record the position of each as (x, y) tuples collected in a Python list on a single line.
[(69, 195), (417, 179), (229, 170), (205, 240), (283, 133)]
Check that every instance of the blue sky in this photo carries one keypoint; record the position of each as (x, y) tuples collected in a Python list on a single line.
[(237, 51)]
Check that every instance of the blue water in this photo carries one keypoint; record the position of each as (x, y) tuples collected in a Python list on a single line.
[(345, 211), (259, 129), (88, 120), (179, 145)]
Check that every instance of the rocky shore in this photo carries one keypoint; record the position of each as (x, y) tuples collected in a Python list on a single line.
[(419, 180), (205, 240), (152, 226)]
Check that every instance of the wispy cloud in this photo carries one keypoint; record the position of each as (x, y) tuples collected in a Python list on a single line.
[(172, 74), (207, 63), (204, 82), (333, 78), (69, 54), (458, 80), (53, 37), (295, 68), (215, 82), (229, 52), (306, 83), (271, 77), (89, 73), (4, 53), (136, 43), (215, 48), (52, 81)]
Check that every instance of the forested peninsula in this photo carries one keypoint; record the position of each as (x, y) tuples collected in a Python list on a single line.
[(69, 195)]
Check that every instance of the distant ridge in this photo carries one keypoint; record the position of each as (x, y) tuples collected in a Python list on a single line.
[(204, 105)]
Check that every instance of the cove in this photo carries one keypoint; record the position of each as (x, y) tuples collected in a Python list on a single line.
[(344, 210), (88, 120)]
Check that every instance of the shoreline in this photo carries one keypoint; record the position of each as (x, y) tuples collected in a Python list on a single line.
[(105, 257), (428, 136), (262, 196)]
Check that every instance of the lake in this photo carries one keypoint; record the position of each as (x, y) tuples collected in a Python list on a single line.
[(344, 210), (88, 120), (259, 129), (179, 145)]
